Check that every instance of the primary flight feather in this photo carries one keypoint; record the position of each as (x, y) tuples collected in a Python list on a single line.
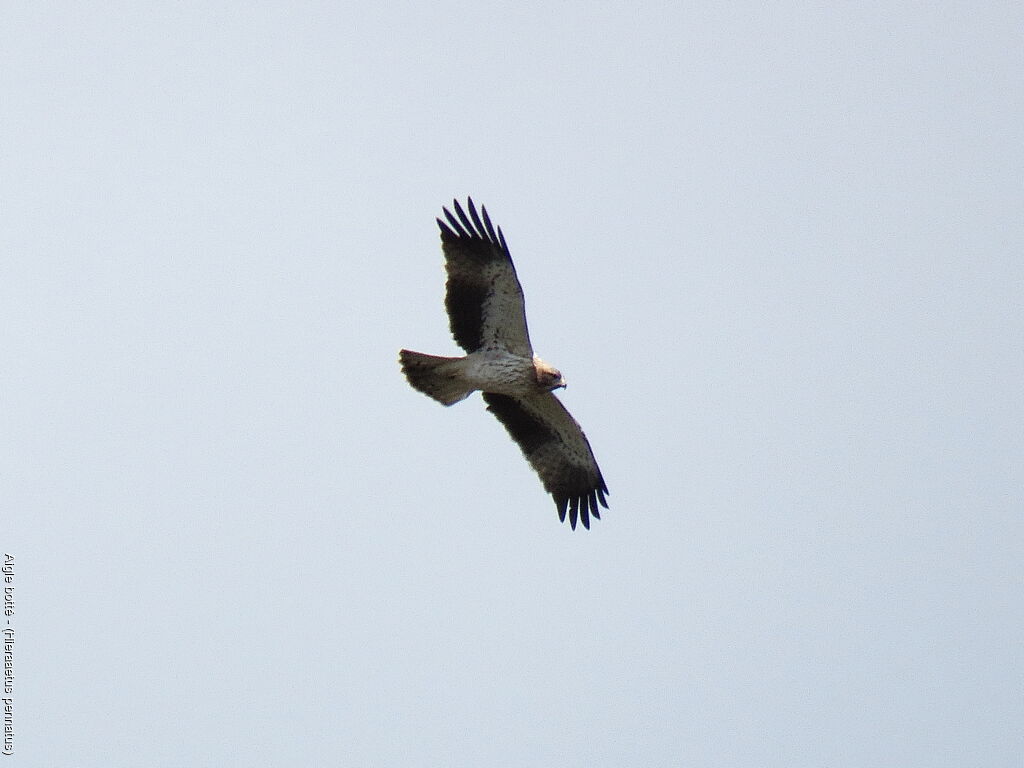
[(488, 320)]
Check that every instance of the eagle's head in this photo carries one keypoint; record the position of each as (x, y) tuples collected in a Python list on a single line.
[(548, 377)]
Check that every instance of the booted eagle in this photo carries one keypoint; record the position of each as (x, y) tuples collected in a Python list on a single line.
[(488, 319)]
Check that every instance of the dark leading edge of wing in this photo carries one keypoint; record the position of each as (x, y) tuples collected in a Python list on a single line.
[(557, 449), (472, 246)]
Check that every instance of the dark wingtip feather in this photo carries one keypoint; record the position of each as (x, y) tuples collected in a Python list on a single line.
[(464, 218), (476, 219), (453, 221), (488, 226), (446, 231), (585, 513), (560, 504)]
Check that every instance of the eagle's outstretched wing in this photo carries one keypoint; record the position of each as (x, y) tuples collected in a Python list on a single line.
[(557, 449), (484, 299)]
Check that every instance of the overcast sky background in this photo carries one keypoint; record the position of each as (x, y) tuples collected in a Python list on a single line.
[(778, 252)]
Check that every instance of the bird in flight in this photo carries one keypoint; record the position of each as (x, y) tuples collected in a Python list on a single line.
[(488, 320)]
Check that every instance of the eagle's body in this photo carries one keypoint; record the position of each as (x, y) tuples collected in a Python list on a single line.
[(488, 319), (495, 370)]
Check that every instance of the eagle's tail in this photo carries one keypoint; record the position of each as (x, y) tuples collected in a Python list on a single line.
[(439, 377)]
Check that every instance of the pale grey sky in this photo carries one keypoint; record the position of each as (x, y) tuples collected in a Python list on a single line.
[(776, 250)]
